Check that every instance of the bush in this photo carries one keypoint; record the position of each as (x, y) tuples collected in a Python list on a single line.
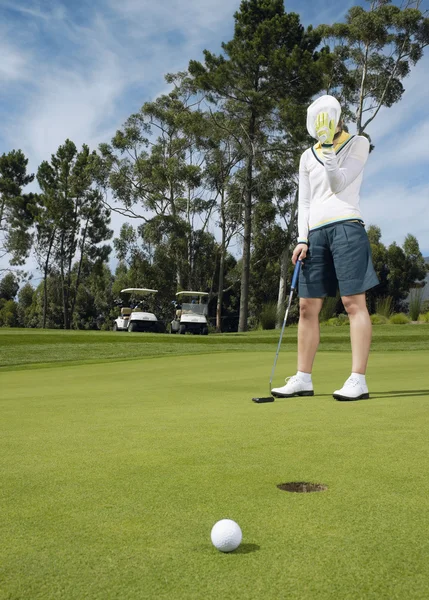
[(252, 324), (416, 303), (8, 313), (338, 321), (383, 306), (424, 317), (399, 319), (329, 307), (379, 319), (268, 316)]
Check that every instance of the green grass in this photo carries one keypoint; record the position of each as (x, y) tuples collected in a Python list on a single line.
[(114, 473), (35, 347)]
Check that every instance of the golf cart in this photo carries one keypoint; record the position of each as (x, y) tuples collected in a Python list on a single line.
[(137, 318), (191, 313)]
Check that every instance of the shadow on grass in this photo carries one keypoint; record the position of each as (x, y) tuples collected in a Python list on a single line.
[(243, 549), (246, 549), (378, 395), (374, 396), (400, 394)]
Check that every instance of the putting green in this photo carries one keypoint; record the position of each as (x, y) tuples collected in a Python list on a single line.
[(113, 475)]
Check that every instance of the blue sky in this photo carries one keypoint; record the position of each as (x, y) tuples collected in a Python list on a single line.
[(79, 69)]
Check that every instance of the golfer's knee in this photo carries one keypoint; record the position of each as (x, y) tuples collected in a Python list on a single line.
[(353, 305), (308, 310)]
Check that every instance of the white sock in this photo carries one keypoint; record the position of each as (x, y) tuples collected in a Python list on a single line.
[(361, 378), (305, 377)]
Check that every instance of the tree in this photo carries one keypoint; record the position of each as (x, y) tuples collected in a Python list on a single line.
[(372, 53), (270, 57), (398, 269), (71, 220), (8, 313), (155, 163), (46, 227), (16, 208), (415, 263), (9, 287), (25, 305), (54, 307), (94, 299), (222, 175)]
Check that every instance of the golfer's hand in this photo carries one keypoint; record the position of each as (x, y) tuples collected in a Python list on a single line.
[(325, 129), (299, 253)]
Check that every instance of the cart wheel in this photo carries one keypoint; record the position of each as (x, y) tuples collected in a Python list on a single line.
[(182, 329)]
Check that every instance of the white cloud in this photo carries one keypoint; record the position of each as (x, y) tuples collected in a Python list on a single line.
[(13, 64), (83, 91), (83, 95), (398, 209), (35, 10)]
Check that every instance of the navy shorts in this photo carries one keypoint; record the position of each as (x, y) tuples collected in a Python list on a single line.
[(338, 256)]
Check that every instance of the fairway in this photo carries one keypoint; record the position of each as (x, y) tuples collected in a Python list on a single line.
[(113, 473)]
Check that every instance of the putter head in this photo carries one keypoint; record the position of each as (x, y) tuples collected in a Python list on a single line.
[(263, 400)]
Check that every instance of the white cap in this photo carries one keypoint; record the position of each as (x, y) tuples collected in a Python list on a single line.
[(327, 104)]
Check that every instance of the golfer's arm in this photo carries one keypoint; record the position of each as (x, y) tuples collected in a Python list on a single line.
[(340, 178), (304, 196)]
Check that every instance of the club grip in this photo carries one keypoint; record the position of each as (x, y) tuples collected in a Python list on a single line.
[(296, 274)]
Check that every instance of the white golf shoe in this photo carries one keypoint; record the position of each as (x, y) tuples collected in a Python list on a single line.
[(294, 387), (353, 389)]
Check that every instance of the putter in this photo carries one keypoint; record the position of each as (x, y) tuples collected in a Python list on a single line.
[(269, 398)]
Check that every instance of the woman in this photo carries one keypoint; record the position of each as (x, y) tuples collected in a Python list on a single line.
[(333, 246)]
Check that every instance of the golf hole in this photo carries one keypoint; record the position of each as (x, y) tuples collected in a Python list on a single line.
[(302, 487)]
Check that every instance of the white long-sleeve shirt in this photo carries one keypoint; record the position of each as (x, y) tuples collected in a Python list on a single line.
[(329, 183)]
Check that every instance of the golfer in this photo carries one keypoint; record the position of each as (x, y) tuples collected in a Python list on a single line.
[(333, 245)]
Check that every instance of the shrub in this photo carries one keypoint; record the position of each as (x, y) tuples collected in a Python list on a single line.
[(252, 324), (399, 319), (338, 321), (424, 317), (8, 313), (268, 316), (416, 303), (383, 306), (379, 319), (329, 307)]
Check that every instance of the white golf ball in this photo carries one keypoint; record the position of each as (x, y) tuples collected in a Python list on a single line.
[(226, 535)]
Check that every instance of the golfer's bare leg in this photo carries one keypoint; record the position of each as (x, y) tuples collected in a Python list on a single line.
[(308, 332), (360, 331)]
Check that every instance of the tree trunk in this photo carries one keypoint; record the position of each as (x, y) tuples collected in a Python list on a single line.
[(73, 243), (281, 299), (284, 263), (76, 287), (221, 274), (247, 236), (2, 205), (63, 285), (362, 93), (45, 280)]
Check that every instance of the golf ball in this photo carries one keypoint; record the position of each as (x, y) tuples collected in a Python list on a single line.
[(226, 535)]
